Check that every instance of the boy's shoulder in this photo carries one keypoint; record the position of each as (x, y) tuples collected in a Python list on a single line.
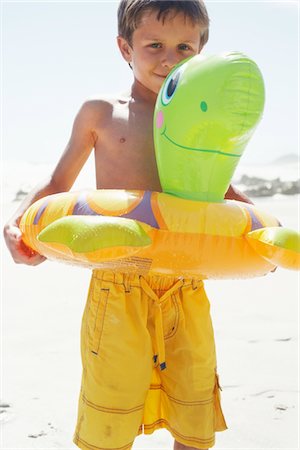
[(105, 102), (102, 107)]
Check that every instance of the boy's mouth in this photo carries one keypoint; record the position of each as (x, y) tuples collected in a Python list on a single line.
[(161, 76)]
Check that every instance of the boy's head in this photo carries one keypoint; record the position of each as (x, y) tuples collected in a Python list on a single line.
[(130, 13), (155, 35)]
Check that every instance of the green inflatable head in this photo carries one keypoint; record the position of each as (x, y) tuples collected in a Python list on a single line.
[(205, 114)]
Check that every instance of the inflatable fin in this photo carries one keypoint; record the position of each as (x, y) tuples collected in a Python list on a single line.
[(83, 234), (278, 245)]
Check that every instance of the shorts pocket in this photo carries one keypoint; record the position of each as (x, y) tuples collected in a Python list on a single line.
[(220, 423), (96, 316), (170, 311)]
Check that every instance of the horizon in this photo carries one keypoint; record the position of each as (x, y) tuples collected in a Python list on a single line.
[(287, 158)]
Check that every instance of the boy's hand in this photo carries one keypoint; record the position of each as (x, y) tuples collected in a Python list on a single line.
[(234, 194), (20, 253)]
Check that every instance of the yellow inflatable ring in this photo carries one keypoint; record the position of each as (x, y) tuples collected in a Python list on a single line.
[(157, 233)]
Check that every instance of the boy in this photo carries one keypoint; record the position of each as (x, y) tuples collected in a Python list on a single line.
[(131, 322)]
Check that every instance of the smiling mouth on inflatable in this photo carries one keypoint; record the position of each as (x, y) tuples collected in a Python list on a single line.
[(197, 149)]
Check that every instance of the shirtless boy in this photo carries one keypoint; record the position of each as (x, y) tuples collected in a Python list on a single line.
[(126, 387)]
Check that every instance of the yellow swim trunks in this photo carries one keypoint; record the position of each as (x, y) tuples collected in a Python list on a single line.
[(149, 362)]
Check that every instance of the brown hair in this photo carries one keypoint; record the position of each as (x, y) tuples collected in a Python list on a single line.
[(130, 13)]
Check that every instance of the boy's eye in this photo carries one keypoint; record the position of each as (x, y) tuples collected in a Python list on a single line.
[(155, 45), (184, 47)]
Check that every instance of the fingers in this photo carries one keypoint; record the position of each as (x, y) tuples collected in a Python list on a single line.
[(28, 256), (20, 252), (25, 255)]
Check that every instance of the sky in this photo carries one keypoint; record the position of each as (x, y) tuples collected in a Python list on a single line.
[(56, 55)]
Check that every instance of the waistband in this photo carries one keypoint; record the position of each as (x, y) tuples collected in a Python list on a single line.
[(155, 282)]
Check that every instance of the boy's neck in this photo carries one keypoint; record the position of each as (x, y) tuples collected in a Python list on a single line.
[(140, 93)]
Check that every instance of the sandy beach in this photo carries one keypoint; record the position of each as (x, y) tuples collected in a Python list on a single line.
[(256, 329)]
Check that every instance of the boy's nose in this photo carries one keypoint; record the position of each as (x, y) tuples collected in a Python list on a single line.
[(170, 59)]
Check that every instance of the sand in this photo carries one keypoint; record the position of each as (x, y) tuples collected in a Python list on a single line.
[(256, 328)]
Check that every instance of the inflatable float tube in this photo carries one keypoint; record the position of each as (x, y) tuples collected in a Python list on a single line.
[(150, 232), (205, 114)]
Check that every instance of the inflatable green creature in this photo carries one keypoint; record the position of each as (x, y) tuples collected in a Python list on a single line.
[(206, 112)]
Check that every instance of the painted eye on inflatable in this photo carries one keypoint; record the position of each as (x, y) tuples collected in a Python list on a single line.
[(170, 87)]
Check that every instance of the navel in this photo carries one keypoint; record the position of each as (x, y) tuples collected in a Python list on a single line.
[(122, 140)]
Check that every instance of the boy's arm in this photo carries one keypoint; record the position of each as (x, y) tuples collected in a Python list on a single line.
[(234, 194), (81, 142)]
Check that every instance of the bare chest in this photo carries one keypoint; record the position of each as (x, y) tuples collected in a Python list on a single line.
[(124, 151)]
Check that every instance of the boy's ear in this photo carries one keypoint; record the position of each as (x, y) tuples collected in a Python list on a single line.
[(125, 48)]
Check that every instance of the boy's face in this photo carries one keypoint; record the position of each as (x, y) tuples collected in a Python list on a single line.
[(158, 46)]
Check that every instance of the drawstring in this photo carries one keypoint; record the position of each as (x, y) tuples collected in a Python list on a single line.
[(159, 343)]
